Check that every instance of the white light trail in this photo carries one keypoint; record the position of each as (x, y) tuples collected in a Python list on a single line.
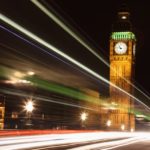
[(53, 139), (46, 99), (56, 50), (79, 39), (57, 140), (109, 145), (68, 30)]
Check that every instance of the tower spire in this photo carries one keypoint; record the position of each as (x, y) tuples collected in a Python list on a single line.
[(124, 13), (123, 20)]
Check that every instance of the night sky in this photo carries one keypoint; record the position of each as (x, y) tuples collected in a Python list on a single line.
[(93, 20)]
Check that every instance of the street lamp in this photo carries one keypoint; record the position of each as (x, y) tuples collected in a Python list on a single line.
[(108, 123), (122, 127), (131, 130), (29, 108), (83, 118)]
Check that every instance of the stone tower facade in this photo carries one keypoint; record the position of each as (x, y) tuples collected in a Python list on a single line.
[(122, 57), (2, 112)]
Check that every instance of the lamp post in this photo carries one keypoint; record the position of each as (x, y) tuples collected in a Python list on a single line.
[(122, 127), (29, 108), (108, 123), (83, 118)]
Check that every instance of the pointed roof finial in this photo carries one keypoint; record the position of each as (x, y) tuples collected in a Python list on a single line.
[(123, 22), (124, 8), (123, 13)]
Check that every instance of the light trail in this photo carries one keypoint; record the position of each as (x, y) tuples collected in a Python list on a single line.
[(49, 86), (109, 145), (44, 140), (20, 37), (79, 95), (106, 139), (85, 98), (31, 43), (52, 100), (68, 30), (131, 141), (57, 88), (20, 53), (56, 50), (51, 15)]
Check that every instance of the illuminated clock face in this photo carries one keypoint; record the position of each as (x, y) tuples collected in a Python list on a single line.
[(120, 48)]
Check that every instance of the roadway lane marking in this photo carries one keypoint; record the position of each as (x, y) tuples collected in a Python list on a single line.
[(77, 143), (125, 144), (108, 145)]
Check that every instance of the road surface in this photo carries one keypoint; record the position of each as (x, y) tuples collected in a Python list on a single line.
[(79, 141)]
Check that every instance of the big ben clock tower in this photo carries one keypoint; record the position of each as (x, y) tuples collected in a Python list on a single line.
[(122, 56)]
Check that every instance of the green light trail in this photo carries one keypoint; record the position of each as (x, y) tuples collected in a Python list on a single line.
[(56, 50), (53, 87), (115, 35), (63, 90), (49, 86), (23, 94)]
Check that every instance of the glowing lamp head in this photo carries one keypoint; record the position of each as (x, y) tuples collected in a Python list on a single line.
[(29, 106), (109, 123), (122, 127), (83, 116), (132, 130)]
